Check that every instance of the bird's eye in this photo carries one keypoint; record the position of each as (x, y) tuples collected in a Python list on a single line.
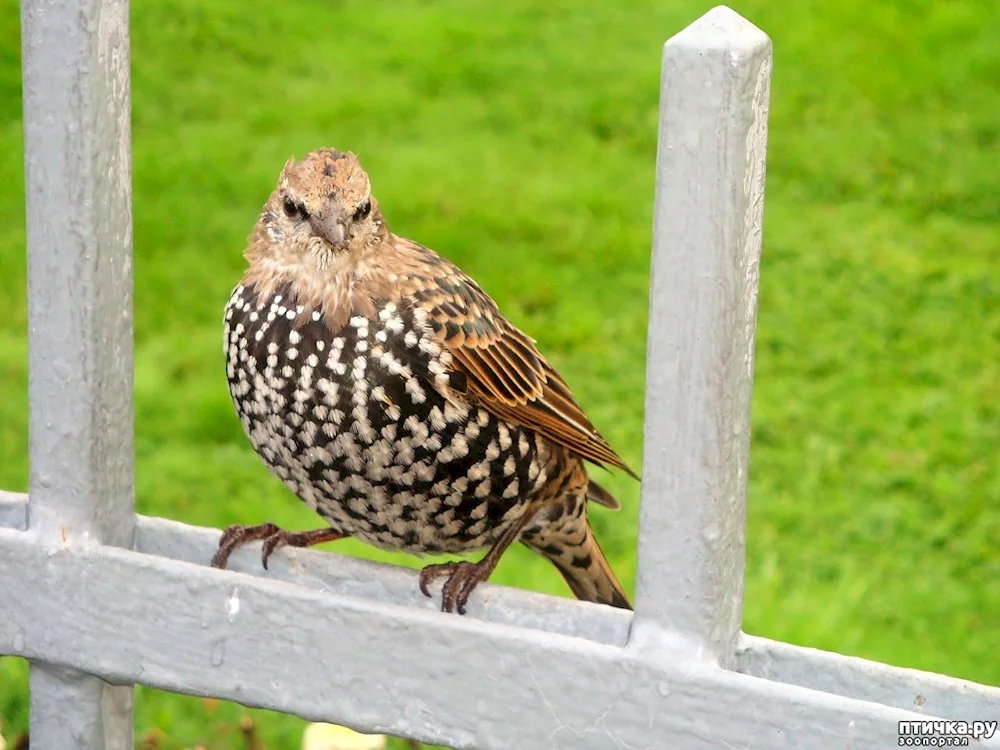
[(293, 209), (363, 210)]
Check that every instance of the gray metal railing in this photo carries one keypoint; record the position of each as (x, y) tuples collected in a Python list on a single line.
[(99, 599)]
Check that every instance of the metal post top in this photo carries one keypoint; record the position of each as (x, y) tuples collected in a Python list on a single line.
[(720, 28)]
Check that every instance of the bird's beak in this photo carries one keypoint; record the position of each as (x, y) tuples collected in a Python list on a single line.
[(330, 229)]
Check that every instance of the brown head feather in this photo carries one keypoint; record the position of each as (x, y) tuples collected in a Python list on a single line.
[(319, 231)]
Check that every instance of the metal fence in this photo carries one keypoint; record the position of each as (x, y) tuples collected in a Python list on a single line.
[(98, 598)]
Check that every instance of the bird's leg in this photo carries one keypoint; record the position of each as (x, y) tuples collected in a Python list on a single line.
[(464, 576), (273, 536)]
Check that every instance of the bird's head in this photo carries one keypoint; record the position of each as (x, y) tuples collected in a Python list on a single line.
[(322, 208)]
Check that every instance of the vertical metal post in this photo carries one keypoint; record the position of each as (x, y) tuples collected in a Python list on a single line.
[(78, 187), (703, 305)]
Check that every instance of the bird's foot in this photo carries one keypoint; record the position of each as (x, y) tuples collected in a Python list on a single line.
[(463, 577), (273, 536)]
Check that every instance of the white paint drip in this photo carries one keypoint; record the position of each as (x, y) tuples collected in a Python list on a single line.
[(233, 605)]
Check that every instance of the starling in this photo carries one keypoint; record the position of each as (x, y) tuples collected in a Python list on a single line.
[(387, 391)]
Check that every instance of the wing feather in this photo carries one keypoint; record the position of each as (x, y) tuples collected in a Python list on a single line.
[(504, 370)]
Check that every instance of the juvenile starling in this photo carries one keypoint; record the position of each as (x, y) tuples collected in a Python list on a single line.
[(387, 391)]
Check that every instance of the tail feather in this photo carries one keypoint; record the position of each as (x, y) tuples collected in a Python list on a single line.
[(561, 534), (589, 576), (601, 496)]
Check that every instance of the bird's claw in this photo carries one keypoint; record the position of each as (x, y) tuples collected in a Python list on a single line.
[(270, 544), (463, 577), (273, 537), (236, 535)]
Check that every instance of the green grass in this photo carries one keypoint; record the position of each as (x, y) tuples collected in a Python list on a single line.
[(519, 139)]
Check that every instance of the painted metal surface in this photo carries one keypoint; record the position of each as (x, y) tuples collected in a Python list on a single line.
[(333, 638), (75, 60), (703, 308)]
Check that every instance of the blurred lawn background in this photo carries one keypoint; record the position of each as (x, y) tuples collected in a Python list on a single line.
[(518, 139)]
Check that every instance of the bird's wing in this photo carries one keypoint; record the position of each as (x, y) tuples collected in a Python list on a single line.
[(504, 372)]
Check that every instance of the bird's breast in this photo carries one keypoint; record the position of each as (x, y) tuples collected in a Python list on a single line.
[(362, 424)]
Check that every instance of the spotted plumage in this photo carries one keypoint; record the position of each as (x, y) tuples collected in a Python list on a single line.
[(388, 392)]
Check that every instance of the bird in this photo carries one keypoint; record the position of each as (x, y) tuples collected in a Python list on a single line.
[(387, 391)]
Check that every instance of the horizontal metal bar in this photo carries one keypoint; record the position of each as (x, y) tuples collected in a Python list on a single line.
[(343, 574), (390, 584), (320, 571), (911, 689), (381, 667)]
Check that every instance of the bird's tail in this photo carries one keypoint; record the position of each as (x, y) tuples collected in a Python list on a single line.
[(588, 574), (561, 534)]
